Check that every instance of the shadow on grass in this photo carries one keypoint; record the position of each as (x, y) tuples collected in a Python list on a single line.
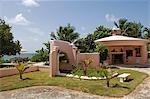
[(27, 78), (120, 86), (128, 80)]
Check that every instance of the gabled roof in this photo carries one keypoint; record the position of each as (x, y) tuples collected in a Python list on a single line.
[(119, 38)]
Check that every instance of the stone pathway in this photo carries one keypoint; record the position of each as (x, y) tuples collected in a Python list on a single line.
[(53, 92)]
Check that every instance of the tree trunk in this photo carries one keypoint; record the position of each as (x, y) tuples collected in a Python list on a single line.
[(107, 82), (20, 74), (84, 72)]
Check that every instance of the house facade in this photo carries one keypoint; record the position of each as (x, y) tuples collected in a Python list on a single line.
[(124, 50)]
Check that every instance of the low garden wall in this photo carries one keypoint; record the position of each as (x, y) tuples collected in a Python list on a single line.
[(13, 71)]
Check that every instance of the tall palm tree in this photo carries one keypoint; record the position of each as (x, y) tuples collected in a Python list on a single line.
[(131, 29), (66, 33), (123, 25)]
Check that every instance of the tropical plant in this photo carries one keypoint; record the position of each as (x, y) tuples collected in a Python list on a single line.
[(122, 24), (101, 32), (87, 44), (107, 74), (21, 69), (103, 52), (7, 45), (86, 64), (134, 29), (65, 33), (128, 28)]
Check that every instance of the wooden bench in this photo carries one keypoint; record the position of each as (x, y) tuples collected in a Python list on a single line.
[(123, 77)]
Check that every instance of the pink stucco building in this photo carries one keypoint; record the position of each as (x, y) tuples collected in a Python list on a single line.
[(124, 50)]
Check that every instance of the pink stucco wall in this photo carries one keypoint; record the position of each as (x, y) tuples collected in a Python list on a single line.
[(126, 45), (93, 56), (73, 54)]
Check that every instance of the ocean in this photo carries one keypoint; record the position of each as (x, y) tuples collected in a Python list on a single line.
[(29, 55)]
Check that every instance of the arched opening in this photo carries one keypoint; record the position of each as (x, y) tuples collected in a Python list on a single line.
[(63, 60)]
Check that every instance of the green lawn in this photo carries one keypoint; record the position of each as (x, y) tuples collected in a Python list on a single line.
[(97, 87)]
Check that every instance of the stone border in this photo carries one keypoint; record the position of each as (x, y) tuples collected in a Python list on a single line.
[(85, 77)]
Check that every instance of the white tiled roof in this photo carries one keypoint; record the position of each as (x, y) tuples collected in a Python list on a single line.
[(118, 38)]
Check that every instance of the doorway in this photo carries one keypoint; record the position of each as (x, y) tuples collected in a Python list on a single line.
[(117, 58)]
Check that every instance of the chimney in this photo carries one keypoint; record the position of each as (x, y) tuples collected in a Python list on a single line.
[(116, 31)]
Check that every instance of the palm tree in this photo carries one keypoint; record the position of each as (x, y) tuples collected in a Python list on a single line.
[(123, 25), (66, 33), (21, 69), (103, 51), (134, 29)]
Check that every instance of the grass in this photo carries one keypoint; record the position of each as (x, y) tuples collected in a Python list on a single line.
[(97, 87)]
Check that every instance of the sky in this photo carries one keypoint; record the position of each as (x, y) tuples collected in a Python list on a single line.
[(32, 21)]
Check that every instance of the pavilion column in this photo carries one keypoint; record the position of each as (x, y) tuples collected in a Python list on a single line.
[(144, 54)]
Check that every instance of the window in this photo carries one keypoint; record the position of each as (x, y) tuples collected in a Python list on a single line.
[(129, 53), (138, 52)]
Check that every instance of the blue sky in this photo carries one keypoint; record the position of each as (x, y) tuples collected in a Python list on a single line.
[(33, 20)]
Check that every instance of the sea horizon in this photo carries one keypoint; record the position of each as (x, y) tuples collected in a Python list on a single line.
[(23, 55)]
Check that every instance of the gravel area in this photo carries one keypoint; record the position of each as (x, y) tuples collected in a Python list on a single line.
[(47, 92)]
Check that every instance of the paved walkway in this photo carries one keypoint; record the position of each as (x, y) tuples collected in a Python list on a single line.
[(52, 92)]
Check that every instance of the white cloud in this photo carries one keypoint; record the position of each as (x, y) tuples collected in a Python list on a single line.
[(30, 3), (19, 19), (111, 18)]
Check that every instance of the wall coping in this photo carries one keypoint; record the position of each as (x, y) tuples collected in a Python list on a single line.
[(89, 53)]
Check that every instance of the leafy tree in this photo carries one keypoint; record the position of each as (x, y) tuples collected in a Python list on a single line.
[(82, 45), (134, 29), (87, 44), (101, 32), (65, 33), (21, 69), (40, 56), (89, 41), (147, 36), (147, 33), (7, 45), (47, 45), (103, 52)]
